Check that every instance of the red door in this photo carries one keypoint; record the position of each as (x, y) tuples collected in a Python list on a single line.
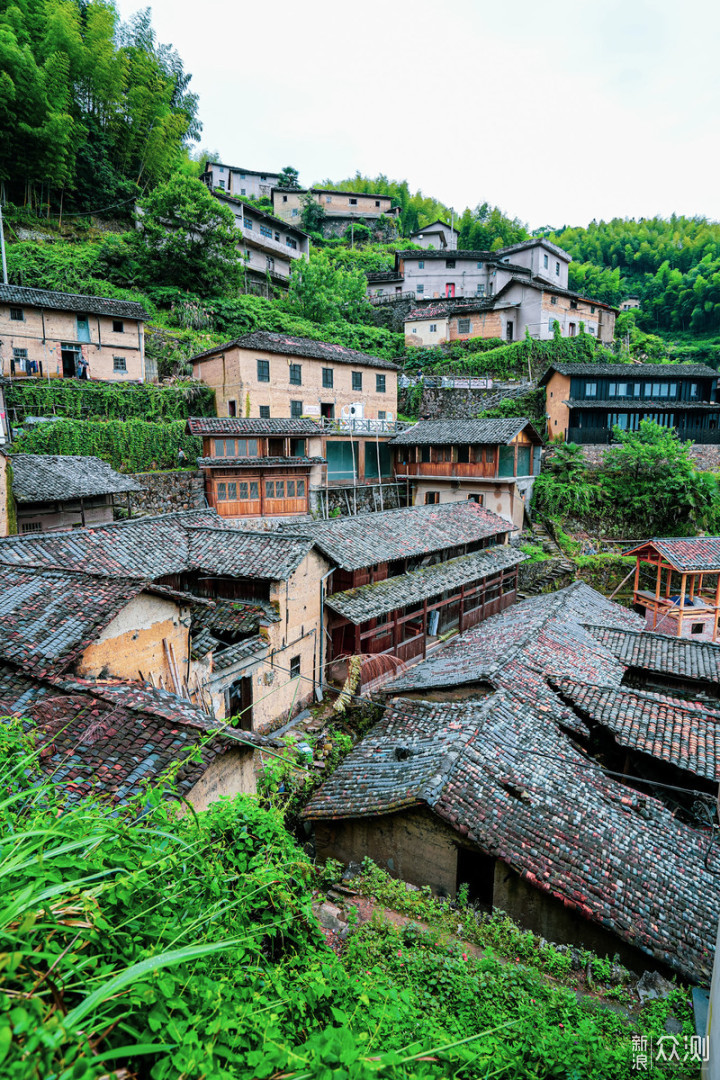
[(450, 289)]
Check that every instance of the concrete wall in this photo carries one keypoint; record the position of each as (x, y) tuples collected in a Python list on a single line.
[(438, 236), (43, 333), (233, 773), (534, 259), (237, 182), (434, 275), (420, 332), (167, 492), (133, 642), (233, 374)]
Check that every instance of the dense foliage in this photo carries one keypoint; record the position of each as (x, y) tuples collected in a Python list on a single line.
[(127, 445), (79, 399), (646, 485), (171, 946), (323, 292), (516, 360), (91, 108)]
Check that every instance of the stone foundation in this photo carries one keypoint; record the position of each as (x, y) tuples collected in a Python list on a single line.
[(168, 492), (706, 456)]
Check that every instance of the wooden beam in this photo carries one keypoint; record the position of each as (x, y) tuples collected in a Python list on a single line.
[(657, 592), (681, 609), (717, 608)]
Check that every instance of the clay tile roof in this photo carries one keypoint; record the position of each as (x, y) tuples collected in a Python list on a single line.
[(680, 657), (509, 780), (112, 738), (288, 345), (49, 477), (633, 371), (370, 601), (478, 432), (62, 301), (237, 425), (685, 554), (685, 734), (271, 556), (367, 539), (147, 547)]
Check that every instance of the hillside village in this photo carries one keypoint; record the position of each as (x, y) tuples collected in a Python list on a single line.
[(378, 569)]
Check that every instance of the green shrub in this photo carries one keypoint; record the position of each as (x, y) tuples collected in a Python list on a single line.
[(79, 399), (129, 446)]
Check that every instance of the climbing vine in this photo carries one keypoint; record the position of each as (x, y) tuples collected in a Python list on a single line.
[(78, 399), (129, 446)]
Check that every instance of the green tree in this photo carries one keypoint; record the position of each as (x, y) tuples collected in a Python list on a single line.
[(323, 292), (288, 177), (313, 214), (188, 238)]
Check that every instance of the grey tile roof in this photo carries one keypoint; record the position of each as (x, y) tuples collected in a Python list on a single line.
[(238, 425), (682, 733), (642, 371), (111, 738), (51, 477), (370, 601), (642, 405), (241, 650), (62, 301), (48, 618), (680, 657), (287, 345), (507, 778), (479, 432), (367, 539), (148, 547), (271, 556), (685, 553), (258, 462)]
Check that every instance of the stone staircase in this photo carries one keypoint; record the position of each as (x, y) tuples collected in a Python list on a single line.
[(549, 575)]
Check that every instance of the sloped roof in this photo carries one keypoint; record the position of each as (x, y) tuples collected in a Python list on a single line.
[(249, 426), (680, 657), (511, 781), (479, 432), (381, 597), (48, 618), (642, 405), (684, 553), (62, 301), (111, 738), (148, 547), (224, 196), (431, 226), (258, 462), (631, 371), (366, 539), (271, 556), (683, 733), (50, 477), (288, 345)]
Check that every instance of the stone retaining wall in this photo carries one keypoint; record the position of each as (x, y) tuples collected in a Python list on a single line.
[(167, 492), (705, 456)]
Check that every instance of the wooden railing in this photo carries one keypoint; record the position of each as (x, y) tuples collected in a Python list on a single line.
[(446, 468), (390, 298)]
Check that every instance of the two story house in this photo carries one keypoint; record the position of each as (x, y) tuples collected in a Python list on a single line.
[(586, 401), (268, 245), (438, 235), (234, 180), (266, 374), (342, 208), (492, 463), (58, 335)]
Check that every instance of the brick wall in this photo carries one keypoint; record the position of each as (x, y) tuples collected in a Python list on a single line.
[(167, 492)]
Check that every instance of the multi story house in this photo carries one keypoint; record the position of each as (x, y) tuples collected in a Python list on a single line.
[(268, 245), (342, 208), (58, 335), (489, 462), (438, 235), (240, 182), (586, 401), (266, 375)]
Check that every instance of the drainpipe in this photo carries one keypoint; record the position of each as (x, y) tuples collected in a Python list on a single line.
[(323, 579)]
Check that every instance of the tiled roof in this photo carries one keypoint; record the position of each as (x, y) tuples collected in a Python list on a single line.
[(238, 425), (233, 654), (485, 432), (258, 462), (525, 244), (62, 301), (465, 253), (232, 616), (641, 371), (50, 477), (252, 211), (680, 657), (641, 405), (513, 783), (233, 552), (545, 634), (370, 601), (112, 738), (48, 618), (431, 226), (685, 734), (692, 553), (148, 547), (366, 539), (450, 309), (287, 345)]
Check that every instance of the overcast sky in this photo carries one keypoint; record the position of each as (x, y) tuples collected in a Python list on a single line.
[(558, 112)]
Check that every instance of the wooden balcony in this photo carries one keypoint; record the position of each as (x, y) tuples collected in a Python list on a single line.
[(449, 469)]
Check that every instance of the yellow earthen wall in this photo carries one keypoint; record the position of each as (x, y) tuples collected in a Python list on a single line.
[(502, 499), (233, 375), (557, 392), (232, 773), (61, 327), (486, 324), (4, 497)]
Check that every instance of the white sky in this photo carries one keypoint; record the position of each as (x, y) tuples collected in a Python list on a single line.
[(558, 112)]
